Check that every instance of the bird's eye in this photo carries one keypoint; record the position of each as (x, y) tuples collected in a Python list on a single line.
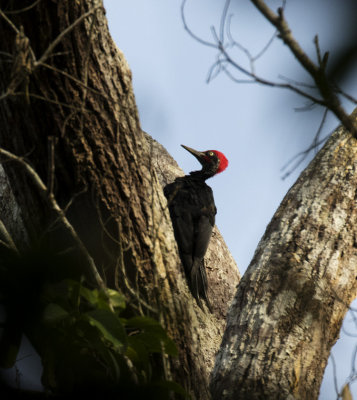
[(210, 153)]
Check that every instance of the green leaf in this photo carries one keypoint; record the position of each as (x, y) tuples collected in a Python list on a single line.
[(115, 368), (73, 292), (153, 335), (116, 298), (54, 313), (110, 327), (90, 295), (138, 353)]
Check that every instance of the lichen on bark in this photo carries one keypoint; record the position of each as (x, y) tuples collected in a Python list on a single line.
[(291, 301)]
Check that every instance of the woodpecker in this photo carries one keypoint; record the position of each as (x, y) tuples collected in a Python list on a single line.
[(192, 210)]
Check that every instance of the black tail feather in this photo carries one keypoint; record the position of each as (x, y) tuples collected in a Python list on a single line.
[(198, 283)]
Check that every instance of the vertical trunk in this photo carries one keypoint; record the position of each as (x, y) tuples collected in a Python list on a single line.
[(79, 102), (290, 304)]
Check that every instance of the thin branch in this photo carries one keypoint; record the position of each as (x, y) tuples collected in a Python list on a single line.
[(345, 95), (4, 95), (223, 21), (59, 103), (316, 141), (297, 83), (6, 235), (303, 154), (23, 9), (5, 53), (256, 79), (234, 43), (188, 30), (266, 47), (317, 72), (85, 73), (234, 79), (345, 331), (58, 39), (353, 361), (13, 27), (265, 82), (214, 71), (51, 165), (42, 189), (57, 220), (334, 371), (327, 90), (71, 77)]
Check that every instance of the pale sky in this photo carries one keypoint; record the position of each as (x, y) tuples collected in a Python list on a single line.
[(256, 127)]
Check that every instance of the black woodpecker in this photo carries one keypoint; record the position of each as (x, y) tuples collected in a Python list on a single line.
[(192, 210)]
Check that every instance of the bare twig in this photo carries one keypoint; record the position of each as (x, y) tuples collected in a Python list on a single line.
[(265, 82), (202, 41), (51, 201), (223, 21), (71, 77), (317, 72), (58, 39), (34, 4), (6, 235), (353, 361), (266, 47), (333, 362), (46, 99), (13, 26), (316, 141), (29, 67), (303, 154), (254, 78), (6, 54), (345, 95), (327, 90), (4, 95), (51, 165), (57, 220), (85, 73), (297, 83), (234, 43)]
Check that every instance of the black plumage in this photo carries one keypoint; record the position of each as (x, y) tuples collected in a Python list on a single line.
[(192, 211)]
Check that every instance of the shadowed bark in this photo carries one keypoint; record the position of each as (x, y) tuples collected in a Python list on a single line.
[(71, 114)]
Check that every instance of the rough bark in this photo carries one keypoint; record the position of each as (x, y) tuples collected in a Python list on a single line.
[(290, 304), (82, 103)]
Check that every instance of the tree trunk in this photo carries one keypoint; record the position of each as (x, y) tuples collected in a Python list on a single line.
[(290, 304), (69, 110)]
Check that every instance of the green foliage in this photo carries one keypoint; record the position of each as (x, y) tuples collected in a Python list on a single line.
[(88, 340), (85, 328)]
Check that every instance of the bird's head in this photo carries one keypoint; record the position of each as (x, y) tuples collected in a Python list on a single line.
[(213, 161)]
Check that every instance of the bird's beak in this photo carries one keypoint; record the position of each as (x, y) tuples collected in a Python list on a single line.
[(201, 157)]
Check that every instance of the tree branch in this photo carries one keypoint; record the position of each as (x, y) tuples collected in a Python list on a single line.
[(51, 201), (316, 72)]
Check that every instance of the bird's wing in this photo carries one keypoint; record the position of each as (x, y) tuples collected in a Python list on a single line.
[(184, 235), (203, 233)]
